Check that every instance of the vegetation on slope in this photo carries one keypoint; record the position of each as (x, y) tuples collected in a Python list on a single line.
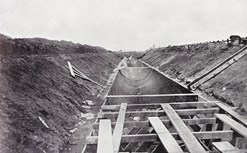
[(187, 62), (36, 83)]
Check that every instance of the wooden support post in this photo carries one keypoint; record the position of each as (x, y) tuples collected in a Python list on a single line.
[(164, 135), (105, 137), (188, 138), (117, 134)]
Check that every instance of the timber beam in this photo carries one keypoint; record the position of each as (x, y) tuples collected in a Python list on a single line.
[(152, 95), (158, 105), (161, 112), (205, 135), (167, 123)]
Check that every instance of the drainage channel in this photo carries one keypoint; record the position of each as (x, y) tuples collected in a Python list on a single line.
[(145, 111)]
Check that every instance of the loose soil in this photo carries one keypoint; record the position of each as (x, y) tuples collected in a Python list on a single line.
[(187, 62), (36, 86)]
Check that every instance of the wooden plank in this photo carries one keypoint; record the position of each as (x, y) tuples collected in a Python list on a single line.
[(152, 95), (158, 105), (234, 115), (167, 123), (224, 147), (75, 72), (243, 53), (117, 134), (213, 73), (105, 137), (233, 124), (162, 112), (186, 135), (197, 111), (71, 69), (205, 135), (199, 80), (168, 141)]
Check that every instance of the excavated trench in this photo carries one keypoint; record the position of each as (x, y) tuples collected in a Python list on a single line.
[(143, 104), (57, 98), (139, 83)]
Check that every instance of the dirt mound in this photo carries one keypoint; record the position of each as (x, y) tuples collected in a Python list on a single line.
[(190, 61), (40, 103)]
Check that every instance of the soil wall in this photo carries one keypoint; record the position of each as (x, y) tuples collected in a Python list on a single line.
[(36, 85), (187, 62)]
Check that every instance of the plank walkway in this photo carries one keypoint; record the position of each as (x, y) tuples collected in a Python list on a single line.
[(117, 134), (105, 137), (160, 119), (168, 141), (184, 132)]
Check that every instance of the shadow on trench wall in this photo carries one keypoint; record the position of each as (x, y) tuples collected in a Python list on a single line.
[(139, 79)]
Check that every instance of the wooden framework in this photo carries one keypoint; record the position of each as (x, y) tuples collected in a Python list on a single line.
[(192, 126)]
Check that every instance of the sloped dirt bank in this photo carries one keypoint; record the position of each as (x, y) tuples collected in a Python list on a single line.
[(188, 62), (40, 103)]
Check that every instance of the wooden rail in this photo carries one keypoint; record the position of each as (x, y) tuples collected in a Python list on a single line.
[(218, 68)]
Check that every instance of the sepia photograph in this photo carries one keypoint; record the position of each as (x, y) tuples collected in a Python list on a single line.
[(123, 76)]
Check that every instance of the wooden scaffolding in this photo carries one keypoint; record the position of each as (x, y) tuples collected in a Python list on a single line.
[(196, 127)]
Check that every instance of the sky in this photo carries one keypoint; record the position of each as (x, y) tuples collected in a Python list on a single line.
[(124, 24)]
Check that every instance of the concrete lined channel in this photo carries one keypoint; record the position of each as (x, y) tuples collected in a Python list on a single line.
[(141, 99), (139, 79)]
